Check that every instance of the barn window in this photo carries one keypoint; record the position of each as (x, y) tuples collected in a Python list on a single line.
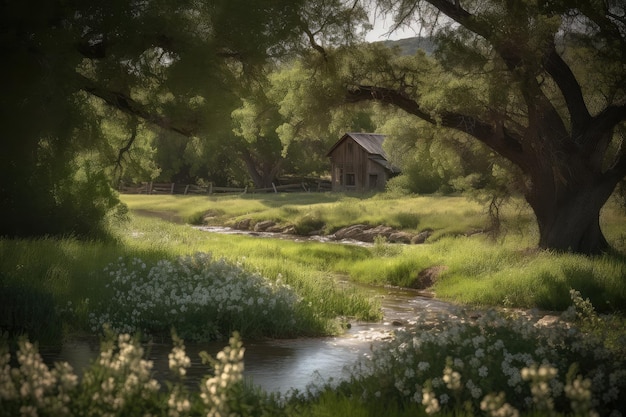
[(350, 180)]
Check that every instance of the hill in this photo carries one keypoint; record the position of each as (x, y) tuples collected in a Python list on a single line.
[(409, 46)]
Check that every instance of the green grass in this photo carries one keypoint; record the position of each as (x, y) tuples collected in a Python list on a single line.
[(330, 211), (71, 271), (55, 277), (480, 271)]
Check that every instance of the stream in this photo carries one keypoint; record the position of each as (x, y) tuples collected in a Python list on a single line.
[(283, 365)]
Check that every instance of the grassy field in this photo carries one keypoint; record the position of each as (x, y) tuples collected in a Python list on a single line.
[(159, 266), (475, 270), (478, 270), (327, 211)]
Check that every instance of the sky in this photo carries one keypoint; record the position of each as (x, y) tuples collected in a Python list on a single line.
[(381, 27)]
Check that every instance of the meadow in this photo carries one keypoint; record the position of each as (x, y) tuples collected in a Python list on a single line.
[(477, 269), (158, 272)]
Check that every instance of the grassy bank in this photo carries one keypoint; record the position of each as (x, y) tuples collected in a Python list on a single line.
[(326, 211), (49, 282), (472, 268)]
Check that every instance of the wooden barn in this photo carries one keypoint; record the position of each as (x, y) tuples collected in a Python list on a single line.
[(359, 163)]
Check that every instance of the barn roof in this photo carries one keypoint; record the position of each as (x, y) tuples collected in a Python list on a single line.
[(371, 142), (373, 145)]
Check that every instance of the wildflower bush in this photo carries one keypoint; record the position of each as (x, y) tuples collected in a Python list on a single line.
[(498, 365), (120, 383), (202, 298)]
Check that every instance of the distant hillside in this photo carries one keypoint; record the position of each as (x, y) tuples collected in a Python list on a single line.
[(409, 46)]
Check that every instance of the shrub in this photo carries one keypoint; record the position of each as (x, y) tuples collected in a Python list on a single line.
[(495, 364), (204, 299)]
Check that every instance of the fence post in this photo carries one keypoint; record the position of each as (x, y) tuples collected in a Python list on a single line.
[(186, 189), (274, 187), (149, 188), (210, 188), (172, 189)]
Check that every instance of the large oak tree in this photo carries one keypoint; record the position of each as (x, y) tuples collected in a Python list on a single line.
[(541, 82)]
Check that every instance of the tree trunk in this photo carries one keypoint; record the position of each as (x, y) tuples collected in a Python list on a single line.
[(262, 173), (569, 216)]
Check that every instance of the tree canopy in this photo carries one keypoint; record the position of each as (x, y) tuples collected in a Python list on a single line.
[(181, 66), (541, 83)]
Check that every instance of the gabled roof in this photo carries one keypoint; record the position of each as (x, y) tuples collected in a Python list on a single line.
[(371, 142), (373, 145)]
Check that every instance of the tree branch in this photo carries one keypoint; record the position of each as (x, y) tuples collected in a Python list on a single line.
[(312, 40), (129, 106), (126, 148), (500, 140), (570, 88), (594, 144)]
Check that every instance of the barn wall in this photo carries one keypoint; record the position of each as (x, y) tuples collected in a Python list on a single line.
[(352, 170)]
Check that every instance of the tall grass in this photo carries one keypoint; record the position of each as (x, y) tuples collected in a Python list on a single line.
[(479, 271), (73, 271)]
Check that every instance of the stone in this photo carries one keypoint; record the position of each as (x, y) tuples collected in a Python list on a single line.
[(242, 224), (289, 230), (400, 237), (421, 237), (369, 235), (427, 277), (351, 232), (262, 226), (547, 320)]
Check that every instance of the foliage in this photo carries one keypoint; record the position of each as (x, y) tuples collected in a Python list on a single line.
[(56, 196), (199, 161), (180, 67), (28, 311), (512, 76)]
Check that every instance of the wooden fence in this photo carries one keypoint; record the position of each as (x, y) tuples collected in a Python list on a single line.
[(173, 188)]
